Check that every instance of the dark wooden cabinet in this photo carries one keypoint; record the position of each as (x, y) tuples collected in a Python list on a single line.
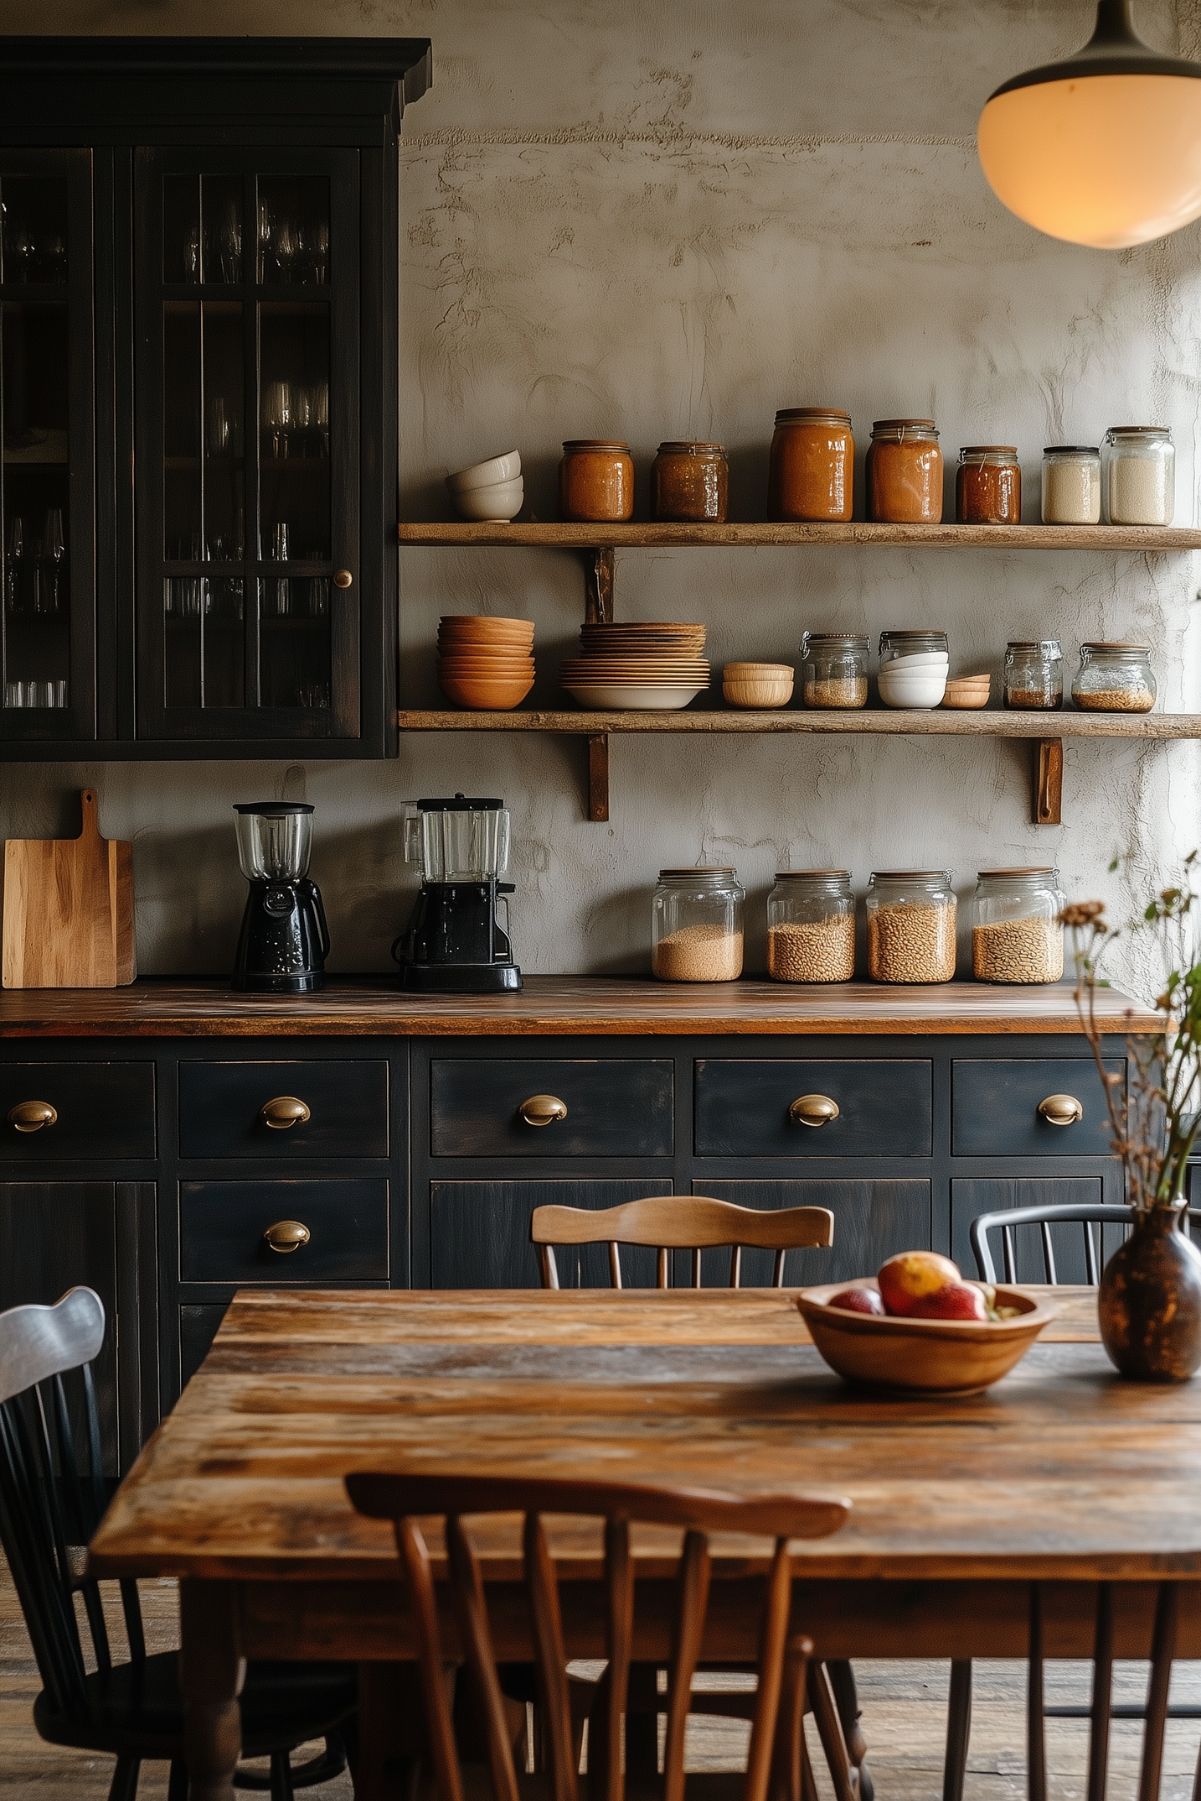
[(198, 301), (242, 1232), (873, 1219), (612, 1107), (881, 1108), (480, 1233), (970, 1198), (997, 1106)]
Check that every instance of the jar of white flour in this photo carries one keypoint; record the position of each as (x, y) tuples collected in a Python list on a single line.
[(1140, 475)]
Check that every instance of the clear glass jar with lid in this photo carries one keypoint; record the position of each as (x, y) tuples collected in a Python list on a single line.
[(911, 922), (811, 473), (895, 643), (1071, 491), (834, 669), (811, 926), (690, 482), (1140, 475), (1114, 678), (988, 485), (696, 925), (904, 472), (1017, 934), (1034, 675)]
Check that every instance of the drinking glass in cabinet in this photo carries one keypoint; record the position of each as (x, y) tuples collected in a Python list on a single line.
[(15, 567), (228, 242), (42, 694), (278, 416), (49, 567)]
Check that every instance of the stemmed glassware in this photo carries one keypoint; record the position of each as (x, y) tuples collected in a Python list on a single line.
[(229, 243), (48, 596), (278, 415), (14, 566)]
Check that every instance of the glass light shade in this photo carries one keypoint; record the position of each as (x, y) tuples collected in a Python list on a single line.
[(1105, 160)]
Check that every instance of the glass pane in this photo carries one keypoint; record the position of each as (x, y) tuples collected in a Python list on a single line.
[(34, 510), (294, 424), (203, 439), (33, 209), (181, 228), (221, 227), (205, 664), (295, 642), (293, 234)]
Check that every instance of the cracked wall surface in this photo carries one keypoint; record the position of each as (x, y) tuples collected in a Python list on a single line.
[(665, 220)]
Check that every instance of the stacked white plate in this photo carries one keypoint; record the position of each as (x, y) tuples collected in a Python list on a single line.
[(649, 666)]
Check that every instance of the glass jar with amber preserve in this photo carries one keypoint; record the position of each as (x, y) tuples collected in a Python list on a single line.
[(596, 480), (904, 472), (812, 470), (988, 485), (690, 482)]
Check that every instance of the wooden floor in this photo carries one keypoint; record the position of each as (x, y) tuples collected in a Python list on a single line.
[(903, 1706)]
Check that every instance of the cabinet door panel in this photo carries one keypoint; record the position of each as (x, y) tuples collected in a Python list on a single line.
[(480, 1234), (971, 1197), (872, 1221), (247, 273)]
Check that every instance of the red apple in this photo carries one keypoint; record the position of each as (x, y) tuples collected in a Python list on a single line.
[(913, 1276), (857, 1300), (958, 1300)]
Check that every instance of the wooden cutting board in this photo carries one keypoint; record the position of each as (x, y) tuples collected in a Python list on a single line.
[(68, 909)]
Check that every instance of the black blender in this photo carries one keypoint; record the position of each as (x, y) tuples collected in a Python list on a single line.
[(453, 943), (284, 939)]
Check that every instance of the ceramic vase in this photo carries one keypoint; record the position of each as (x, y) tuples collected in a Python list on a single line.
[(1149, 1301)]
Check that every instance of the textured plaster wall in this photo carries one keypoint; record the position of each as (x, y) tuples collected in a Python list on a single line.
[(666, 219)]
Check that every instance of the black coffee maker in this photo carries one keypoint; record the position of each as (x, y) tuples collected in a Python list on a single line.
[(284, 939), (453, 943)]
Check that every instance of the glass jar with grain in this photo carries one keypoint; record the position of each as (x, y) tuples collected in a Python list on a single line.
[(1114, 678), (596, 480), (911, 921), (1140, 475), (1071, 492), (1034, 675), (1017, 935), (812, 469), (904, 472), (696, 926), (988, 485), (811, 926), (834, 669), (690, 482)]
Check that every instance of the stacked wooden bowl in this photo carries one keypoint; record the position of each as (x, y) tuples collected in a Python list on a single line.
[(485, 663), (643, 666), (967, 693)]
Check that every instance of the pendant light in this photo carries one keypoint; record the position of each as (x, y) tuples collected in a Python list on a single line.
[(1103, 149)]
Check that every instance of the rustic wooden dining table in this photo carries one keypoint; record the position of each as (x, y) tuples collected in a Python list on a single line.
[(1061, 1474)]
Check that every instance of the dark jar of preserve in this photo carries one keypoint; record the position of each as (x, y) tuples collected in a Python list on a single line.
[(812, 469), (988, 485), (596, 480), (690, 482), (904, 472)]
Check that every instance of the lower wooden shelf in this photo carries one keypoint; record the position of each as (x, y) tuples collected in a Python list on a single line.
[(1045, 731)]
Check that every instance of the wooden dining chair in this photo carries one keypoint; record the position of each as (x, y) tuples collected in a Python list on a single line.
[(52, 1495), (679, 1222), (1039, 1230), (776, 1768)]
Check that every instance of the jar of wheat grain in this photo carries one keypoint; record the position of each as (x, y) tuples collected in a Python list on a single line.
[(696, 926), (811, 926), (911, 918), (1016, 930)]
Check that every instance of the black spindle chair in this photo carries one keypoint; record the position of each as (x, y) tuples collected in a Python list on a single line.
[(991, 1232), (52, 1495)]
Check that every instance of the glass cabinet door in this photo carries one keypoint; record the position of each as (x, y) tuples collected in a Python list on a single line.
[(248, 446), (47, 448)]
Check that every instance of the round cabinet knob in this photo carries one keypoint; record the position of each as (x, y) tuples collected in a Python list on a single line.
[(284, 1112), (287, 1235), (1061, 1110), (813, 1110), (542, 1110), (343, 578), (31, 1116)]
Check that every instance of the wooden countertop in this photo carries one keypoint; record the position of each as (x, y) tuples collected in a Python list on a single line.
[(559, 1006)]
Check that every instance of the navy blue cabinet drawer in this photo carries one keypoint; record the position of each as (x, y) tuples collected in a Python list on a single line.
[(788, 1108), (92, 1110), (283, 1233), (258, 1109), (592, 1107), (1008, 1107)]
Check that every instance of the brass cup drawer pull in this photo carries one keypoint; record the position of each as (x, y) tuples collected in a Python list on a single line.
[(31, 1116), (813, 1110), (286, 1236), (284, 1112), (1061, 1110), (542, 1110)]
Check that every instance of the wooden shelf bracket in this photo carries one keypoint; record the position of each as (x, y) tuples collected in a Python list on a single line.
[(1048, 781)]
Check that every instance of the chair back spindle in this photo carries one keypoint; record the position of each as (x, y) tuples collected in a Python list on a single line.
[(1001, 1228), (407, 1499), (667, 1223)]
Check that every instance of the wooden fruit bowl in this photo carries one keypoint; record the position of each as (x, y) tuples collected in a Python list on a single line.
[(921, 1356)]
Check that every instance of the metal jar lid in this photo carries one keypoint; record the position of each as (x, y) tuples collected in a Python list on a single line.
[(716, 869), (804, 875), (912, 875), (1043, 647), (833, 640), (1140, 431), (690, 447), (595, 444), (989, 450), (904, 425), (1071, 450), (1116, 648), (834, 414), (1034, 873)]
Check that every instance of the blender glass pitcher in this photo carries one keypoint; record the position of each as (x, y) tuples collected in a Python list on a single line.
[(458, 840), (274, 839)]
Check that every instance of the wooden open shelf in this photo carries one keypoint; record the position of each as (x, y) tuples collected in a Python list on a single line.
[(532, 535)]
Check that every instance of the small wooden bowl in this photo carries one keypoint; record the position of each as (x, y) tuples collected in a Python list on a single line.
[(921, 1356), (966, 693), (483, 693), (757, 684)]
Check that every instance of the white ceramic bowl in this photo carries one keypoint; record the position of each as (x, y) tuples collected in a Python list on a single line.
[(498, 501), (504, 468), (919, 659), (631, 697), (921, 688)]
